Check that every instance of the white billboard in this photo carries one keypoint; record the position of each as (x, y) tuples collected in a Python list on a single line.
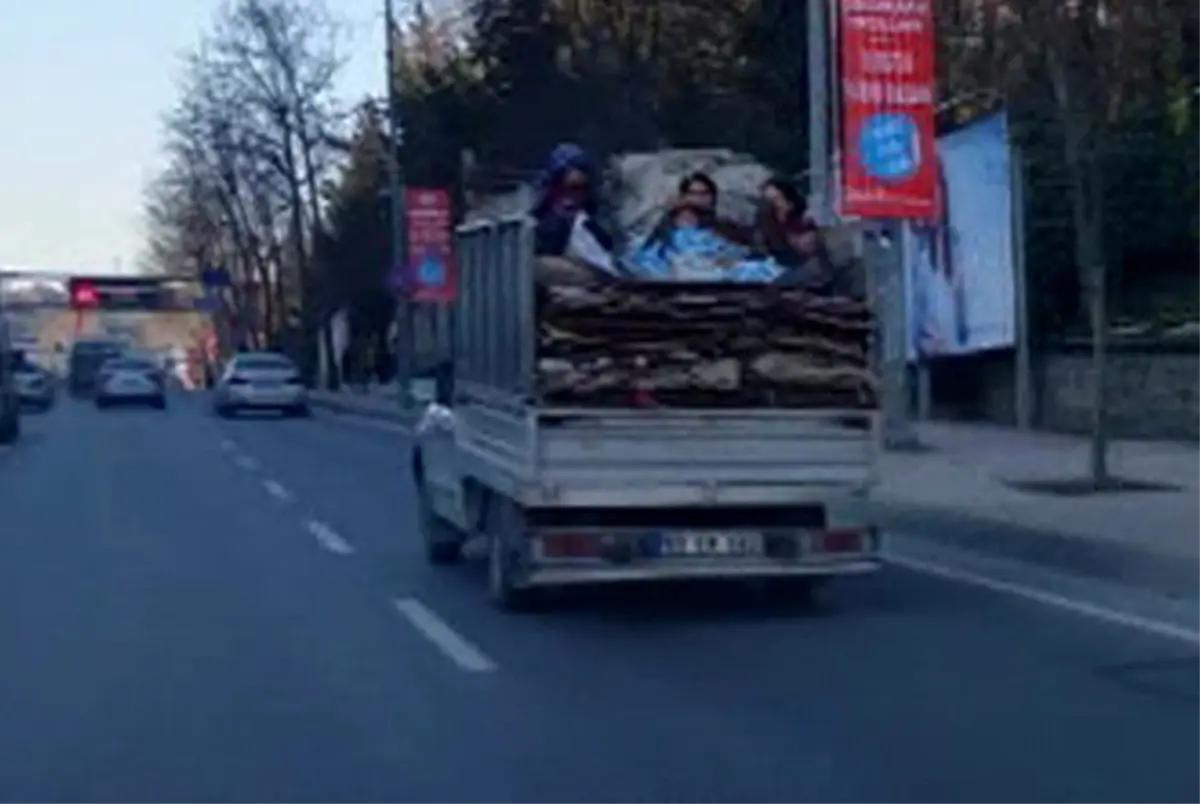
[(960, 270)]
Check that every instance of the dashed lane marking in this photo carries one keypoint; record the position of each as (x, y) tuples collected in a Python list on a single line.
[(277, 490), (456, 647), (246, 462), (328, 538)]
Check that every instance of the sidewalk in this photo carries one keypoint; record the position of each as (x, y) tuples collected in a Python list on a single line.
[(961, 490)]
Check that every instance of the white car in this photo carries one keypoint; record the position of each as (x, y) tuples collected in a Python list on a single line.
[(261, 381), (130, 381), (35, 386)]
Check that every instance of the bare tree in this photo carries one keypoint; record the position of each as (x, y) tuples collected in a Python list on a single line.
[(279, 59), (253, 138), (1104, 61)]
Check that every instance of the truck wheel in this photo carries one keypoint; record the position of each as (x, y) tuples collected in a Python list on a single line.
[(442, 544), (503, 525)]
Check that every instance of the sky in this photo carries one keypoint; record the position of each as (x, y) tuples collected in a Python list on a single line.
[(84, 86)]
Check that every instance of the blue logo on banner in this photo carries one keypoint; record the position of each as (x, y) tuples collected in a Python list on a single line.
[(432, 271), (889, 146)]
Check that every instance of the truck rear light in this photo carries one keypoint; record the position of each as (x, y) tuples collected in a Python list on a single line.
[(840, 541), (570, 545)]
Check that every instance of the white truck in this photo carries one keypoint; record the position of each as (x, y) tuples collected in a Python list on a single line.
[(583, 494)]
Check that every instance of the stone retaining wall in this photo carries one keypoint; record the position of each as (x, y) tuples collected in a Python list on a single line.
[(1152, 394)]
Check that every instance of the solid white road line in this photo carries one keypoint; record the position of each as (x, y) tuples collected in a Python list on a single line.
[(1078, 607), (246, 462), (277, 491), (448, 641), (328, 538)]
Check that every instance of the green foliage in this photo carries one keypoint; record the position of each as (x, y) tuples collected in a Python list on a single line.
[(355, 252), (508, 79)]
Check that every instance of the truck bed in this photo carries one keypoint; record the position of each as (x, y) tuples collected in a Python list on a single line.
[(588, 458), (621, 344)]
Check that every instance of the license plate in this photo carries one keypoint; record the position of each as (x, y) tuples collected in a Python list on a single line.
[(710, 543)]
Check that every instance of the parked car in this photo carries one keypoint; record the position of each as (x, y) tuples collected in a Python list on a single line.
[(10, 403), (34, 384)]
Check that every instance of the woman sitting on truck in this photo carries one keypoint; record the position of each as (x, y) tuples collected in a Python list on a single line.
[(568, 240), (790, 237)]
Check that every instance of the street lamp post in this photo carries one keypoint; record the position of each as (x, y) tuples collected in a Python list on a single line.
[(396, 194)]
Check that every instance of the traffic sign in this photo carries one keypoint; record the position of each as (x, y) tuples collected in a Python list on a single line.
[(214, 278)]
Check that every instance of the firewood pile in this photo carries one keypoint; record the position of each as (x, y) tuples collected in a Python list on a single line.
[(719, 345)]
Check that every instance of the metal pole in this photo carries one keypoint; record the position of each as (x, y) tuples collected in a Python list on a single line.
[(884, 256), (1023, 369), (820, 197), (396, 222)]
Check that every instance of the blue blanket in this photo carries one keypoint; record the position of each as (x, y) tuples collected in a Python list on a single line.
[(694, 254)]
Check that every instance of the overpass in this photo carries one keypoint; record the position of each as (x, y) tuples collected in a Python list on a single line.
[(162, 314)]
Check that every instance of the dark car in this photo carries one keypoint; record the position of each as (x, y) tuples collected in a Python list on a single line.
[(86, 358), (10, 403)]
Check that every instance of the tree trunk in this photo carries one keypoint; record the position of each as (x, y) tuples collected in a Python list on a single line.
[(1082, 137), (1089, 245)]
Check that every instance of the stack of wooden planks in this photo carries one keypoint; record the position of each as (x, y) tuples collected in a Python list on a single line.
[(702, 345)]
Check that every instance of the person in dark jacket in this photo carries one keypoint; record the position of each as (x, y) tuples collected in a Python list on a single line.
[(567, 188)]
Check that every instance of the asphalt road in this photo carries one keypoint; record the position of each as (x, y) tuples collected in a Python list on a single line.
[(198, 610)]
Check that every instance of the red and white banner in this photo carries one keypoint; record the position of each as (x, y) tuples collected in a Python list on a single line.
[(432, 274), (889, 146)]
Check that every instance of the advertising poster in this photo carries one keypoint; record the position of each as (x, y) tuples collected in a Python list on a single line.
[(887, 97), (960, 265), (431, 270)]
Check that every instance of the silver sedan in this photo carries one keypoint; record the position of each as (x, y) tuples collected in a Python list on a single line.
[(130, 380), (261, 381)]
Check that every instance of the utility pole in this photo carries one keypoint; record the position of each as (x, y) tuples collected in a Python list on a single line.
[(883, 250), (819, 109), (396, 216)]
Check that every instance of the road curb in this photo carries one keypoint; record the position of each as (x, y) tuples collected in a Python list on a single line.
[(1123, 563)]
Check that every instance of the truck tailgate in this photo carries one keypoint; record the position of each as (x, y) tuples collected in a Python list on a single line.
[(661, 456)]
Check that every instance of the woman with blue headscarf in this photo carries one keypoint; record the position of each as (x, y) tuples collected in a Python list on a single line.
[(566, 190)]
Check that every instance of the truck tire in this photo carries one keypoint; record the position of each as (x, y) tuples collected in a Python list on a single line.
[(443, 544), (503, 525)]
